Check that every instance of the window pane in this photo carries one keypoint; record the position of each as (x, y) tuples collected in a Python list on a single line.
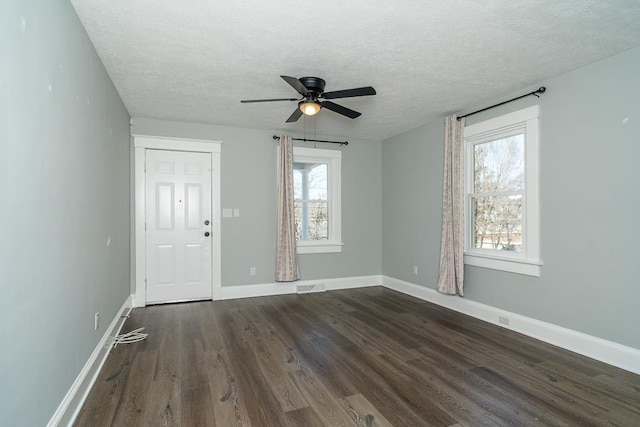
[(311, 206), (297, 182), (318, 182), (312, 220), (497, 223), (499, 165), (310, 181)]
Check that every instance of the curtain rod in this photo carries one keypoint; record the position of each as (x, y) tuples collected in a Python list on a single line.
[(541, 89), (315, 140)]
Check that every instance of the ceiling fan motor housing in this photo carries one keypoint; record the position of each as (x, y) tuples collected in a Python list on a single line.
[(315, 85)]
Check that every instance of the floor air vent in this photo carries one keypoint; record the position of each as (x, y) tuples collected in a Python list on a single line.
[(307, 289)]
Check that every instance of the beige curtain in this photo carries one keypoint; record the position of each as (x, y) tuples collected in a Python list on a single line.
[(286, 255), (450, 279)]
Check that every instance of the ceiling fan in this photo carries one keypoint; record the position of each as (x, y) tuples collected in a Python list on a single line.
[(314, 97)]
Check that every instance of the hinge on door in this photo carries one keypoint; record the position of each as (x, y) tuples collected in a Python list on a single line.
[(145, 283), (145, 226)]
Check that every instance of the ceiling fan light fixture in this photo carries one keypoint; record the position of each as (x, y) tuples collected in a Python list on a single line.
[(309, 108)]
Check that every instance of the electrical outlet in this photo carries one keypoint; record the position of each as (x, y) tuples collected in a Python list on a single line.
[(504, 321), (252, 271), (415, 270), (96, 321)]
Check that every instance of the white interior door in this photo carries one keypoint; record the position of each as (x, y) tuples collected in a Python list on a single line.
[(178, 226)]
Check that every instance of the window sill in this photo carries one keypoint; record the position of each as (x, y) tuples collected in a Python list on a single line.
[(319, 247), (519, 266)]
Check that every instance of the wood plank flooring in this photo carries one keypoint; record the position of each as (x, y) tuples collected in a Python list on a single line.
[(364, 357)]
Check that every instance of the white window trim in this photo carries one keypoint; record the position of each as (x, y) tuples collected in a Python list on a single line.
[(333, 159), (528, 262)]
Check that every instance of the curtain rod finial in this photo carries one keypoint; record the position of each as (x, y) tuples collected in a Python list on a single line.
[(540, 90)]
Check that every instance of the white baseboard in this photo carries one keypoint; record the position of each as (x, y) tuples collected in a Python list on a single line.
[(609, 352), (281, 288), (348, 282), (70, 406)]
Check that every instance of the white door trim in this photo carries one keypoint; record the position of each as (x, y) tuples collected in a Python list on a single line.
[(140, 144)]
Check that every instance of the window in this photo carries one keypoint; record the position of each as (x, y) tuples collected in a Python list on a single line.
[(501, 193), (316, 178)]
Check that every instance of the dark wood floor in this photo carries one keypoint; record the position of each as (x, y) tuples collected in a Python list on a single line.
[(365, 357)]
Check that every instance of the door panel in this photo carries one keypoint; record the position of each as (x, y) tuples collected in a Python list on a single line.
[(165, 260), (165, 214), (194, 206), (178, 203)]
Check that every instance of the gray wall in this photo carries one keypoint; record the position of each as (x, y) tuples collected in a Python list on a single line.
[(590, 199), (248, 180), (64, 187)]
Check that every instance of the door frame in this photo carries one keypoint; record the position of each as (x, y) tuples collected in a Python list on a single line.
[(142, 143)]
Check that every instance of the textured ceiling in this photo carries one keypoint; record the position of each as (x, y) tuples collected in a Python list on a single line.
[(195, 60)]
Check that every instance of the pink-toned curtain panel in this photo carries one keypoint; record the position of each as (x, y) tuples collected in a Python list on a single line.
[(451, 276), (286, 254)]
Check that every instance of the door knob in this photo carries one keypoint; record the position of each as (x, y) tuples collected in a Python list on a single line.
[(207, 234)]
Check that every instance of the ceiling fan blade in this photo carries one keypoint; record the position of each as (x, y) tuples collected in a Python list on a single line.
[(245, 101), (350, 93), (295, 116), (295, 83), (340, 109)]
